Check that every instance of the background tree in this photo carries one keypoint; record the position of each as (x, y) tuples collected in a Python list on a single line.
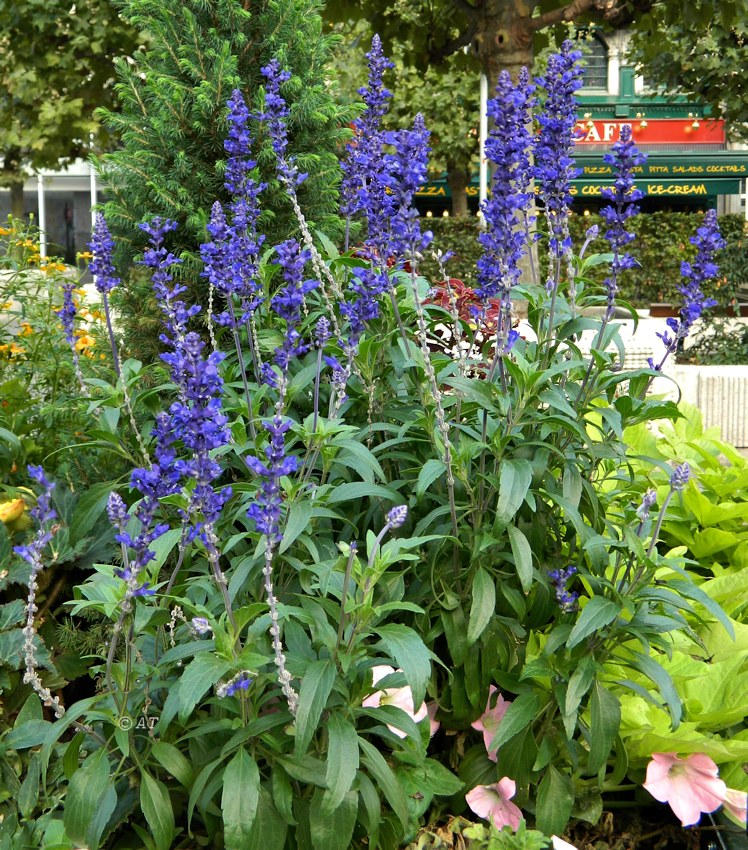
[(696, 47), (56, 68), (173, 124)]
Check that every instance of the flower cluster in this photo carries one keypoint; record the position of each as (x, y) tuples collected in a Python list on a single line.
[(232, 257), (276, 116), (554, 164), (101, 265), (624, 157), (567, 601), (362, 168), (508, 148), (43, 515), (708, 241)]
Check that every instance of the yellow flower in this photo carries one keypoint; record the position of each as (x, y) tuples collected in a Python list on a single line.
[(26, 329), (16, 349), (6, 306), (11, 511), (83, 342), (5, 232), (84, 255)]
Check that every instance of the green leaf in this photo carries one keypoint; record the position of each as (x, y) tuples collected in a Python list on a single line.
[(514, 482), (91, 505), (410, 654), (430, 472), (597, 613), (156, 806), (355, 490), (522, 554), (333, 830), (299, 516), (342, 761), (555, 799), (199, 675), (657, 673), (241, 792), (269, 828), (315, 689), (386, 779), (579, 684), (11, 614), (521, 713), (691, 591), (605, 719), (88, 797), (172, 760), (29, 793), (483, 605)]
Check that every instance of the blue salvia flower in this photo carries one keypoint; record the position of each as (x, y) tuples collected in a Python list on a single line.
[(680, 476), (506, 212), (624, 157), (43, 515), (365, 287), (276, 116), (364, 163), (708, 241), (266, 509), (407, 170), (288, 301), (240, 682), (67, 314), (105, 279), (160, 261), (101, 265), (567, 601), (554, 163), (232, 257)]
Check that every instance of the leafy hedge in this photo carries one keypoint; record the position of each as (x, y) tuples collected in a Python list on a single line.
[(662, 243)]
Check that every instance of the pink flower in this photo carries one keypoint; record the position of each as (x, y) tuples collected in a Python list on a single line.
[(735, 804), (689, 785), (400, 697), (488, 722), (493, 802), (432, 708)]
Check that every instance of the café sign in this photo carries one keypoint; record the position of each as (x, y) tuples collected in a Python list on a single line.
[(657, 131)]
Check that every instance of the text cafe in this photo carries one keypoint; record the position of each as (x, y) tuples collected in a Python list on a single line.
[(688, 166)]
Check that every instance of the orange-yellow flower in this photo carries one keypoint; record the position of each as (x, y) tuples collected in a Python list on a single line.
[(84, 342), (12, 510), (26, 329)]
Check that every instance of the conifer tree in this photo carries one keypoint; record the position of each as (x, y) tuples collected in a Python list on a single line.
[(172, 125)]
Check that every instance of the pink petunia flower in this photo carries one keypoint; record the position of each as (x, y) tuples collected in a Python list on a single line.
[(493, 802), (400, 697), (690, 785), (736, 804), (432, 708), (488, 722)]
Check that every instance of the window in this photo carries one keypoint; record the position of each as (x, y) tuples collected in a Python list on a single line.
[(595, 61)]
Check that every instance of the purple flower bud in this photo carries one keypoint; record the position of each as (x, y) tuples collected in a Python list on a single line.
[(680, 476), (117, 511), (566, 600), (648, 500), (201, 625), (397, 516), (322, 331)]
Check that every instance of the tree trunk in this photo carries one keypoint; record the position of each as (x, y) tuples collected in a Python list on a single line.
[(16, 200), (457, 180), (12, 177), (503, 38)]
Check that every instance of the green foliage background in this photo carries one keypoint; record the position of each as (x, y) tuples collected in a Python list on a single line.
[(662, 242)]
